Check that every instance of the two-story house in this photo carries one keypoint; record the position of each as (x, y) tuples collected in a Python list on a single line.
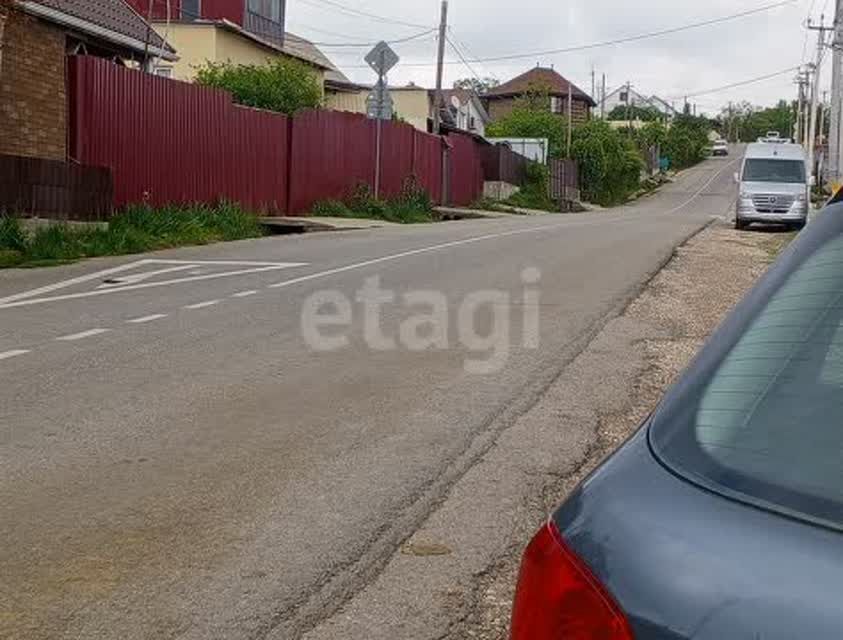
[(501, 100), (237, 31)]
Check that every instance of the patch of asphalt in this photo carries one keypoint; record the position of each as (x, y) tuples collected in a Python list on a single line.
[(485, 505), (455, 576)]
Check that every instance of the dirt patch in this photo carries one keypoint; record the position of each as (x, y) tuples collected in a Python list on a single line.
[(673, 316)]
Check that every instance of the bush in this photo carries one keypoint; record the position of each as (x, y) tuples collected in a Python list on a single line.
[(412, 205), (686, 143), (534, 192), (529, 121), (12, 237), (609, 163), (284, 85)]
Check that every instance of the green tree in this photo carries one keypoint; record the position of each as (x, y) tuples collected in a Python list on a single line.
[(686, 142), (284, 85), (480, 86), (609, 162), (531, 118)]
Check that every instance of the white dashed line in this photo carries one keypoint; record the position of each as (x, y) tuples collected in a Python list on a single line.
[(202, 305), (144, 319), (11, 354), (244, 294), (83, 334)]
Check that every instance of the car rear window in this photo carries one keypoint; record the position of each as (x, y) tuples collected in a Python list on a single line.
[(771, 170), (767, 422)]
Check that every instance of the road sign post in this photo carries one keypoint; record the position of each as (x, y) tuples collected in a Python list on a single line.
[(379, 104)]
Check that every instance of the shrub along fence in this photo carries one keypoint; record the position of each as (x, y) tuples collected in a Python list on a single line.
[(170, 142)]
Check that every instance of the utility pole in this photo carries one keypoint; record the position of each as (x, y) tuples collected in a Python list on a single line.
[(603, 99), (815, 91), (835, 163), (800, 107), (629, 103), (440, 64), (731, 121), (593, 82)]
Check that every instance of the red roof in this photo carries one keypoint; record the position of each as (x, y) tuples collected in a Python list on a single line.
[(539, 78), (115, 16)]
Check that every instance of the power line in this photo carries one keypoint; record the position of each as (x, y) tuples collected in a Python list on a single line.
[(338, 45), (734, 85), (362, 14), (608, 43), (464, 61)]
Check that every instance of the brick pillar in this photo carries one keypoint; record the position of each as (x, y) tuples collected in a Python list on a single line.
[(33, 95)]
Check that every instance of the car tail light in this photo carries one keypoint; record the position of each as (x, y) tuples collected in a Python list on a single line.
[(558, 598)]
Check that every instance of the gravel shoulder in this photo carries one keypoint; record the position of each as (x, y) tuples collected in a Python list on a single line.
[(454, 578)]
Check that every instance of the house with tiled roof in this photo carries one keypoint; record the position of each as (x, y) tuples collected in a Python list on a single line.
[(539, 81), (36, 36)]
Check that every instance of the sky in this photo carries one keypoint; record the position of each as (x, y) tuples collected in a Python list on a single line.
[(670, 66)]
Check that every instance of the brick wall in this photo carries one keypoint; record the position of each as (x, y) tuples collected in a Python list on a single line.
[(33, 99)]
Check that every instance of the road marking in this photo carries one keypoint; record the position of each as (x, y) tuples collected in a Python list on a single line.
[(202, 305), (414, 252), (27, 298), (244, 294), (13, 353), (144, 319), (702, 188), (140, 277), (83, 334)]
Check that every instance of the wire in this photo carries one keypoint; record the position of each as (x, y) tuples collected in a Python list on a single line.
[(734, 85), (608, 43), (464, 61), (329, 45), (465, 47), (363, 14)]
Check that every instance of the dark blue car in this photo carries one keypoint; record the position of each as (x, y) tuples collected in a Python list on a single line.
[(722, 517)]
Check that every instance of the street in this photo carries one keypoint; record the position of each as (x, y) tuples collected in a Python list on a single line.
[(183, 455)]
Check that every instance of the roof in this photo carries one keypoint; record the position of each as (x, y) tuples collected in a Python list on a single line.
[(538, 77), (786, 151), (109, 20)]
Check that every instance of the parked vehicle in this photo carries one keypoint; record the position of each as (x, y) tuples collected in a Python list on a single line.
[(720, 148), (774, 186), (722, 517)]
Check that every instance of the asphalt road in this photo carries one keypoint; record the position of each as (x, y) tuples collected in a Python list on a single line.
[(177, 461)]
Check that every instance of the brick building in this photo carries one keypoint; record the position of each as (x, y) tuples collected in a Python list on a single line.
[(36, 36), (501, 100)]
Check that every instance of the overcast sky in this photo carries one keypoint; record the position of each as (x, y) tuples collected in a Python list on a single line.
[(670, 66)]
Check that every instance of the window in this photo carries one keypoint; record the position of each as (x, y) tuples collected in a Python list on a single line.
[(767, 423), (164, 72), (269, 9), (191, 9), (556, 104), (624, 97), (770, 170)]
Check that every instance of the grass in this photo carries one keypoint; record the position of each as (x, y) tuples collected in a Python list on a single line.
[(777, 243), (412, 206), (135, 230)]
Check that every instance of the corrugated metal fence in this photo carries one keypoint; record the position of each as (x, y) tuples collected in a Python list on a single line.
[(54, 189), (173, 142)]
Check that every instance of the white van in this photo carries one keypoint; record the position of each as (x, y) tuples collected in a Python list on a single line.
[(774, 186)]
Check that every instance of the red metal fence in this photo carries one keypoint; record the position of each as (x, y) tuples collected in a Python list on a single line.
[(173, 142)]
